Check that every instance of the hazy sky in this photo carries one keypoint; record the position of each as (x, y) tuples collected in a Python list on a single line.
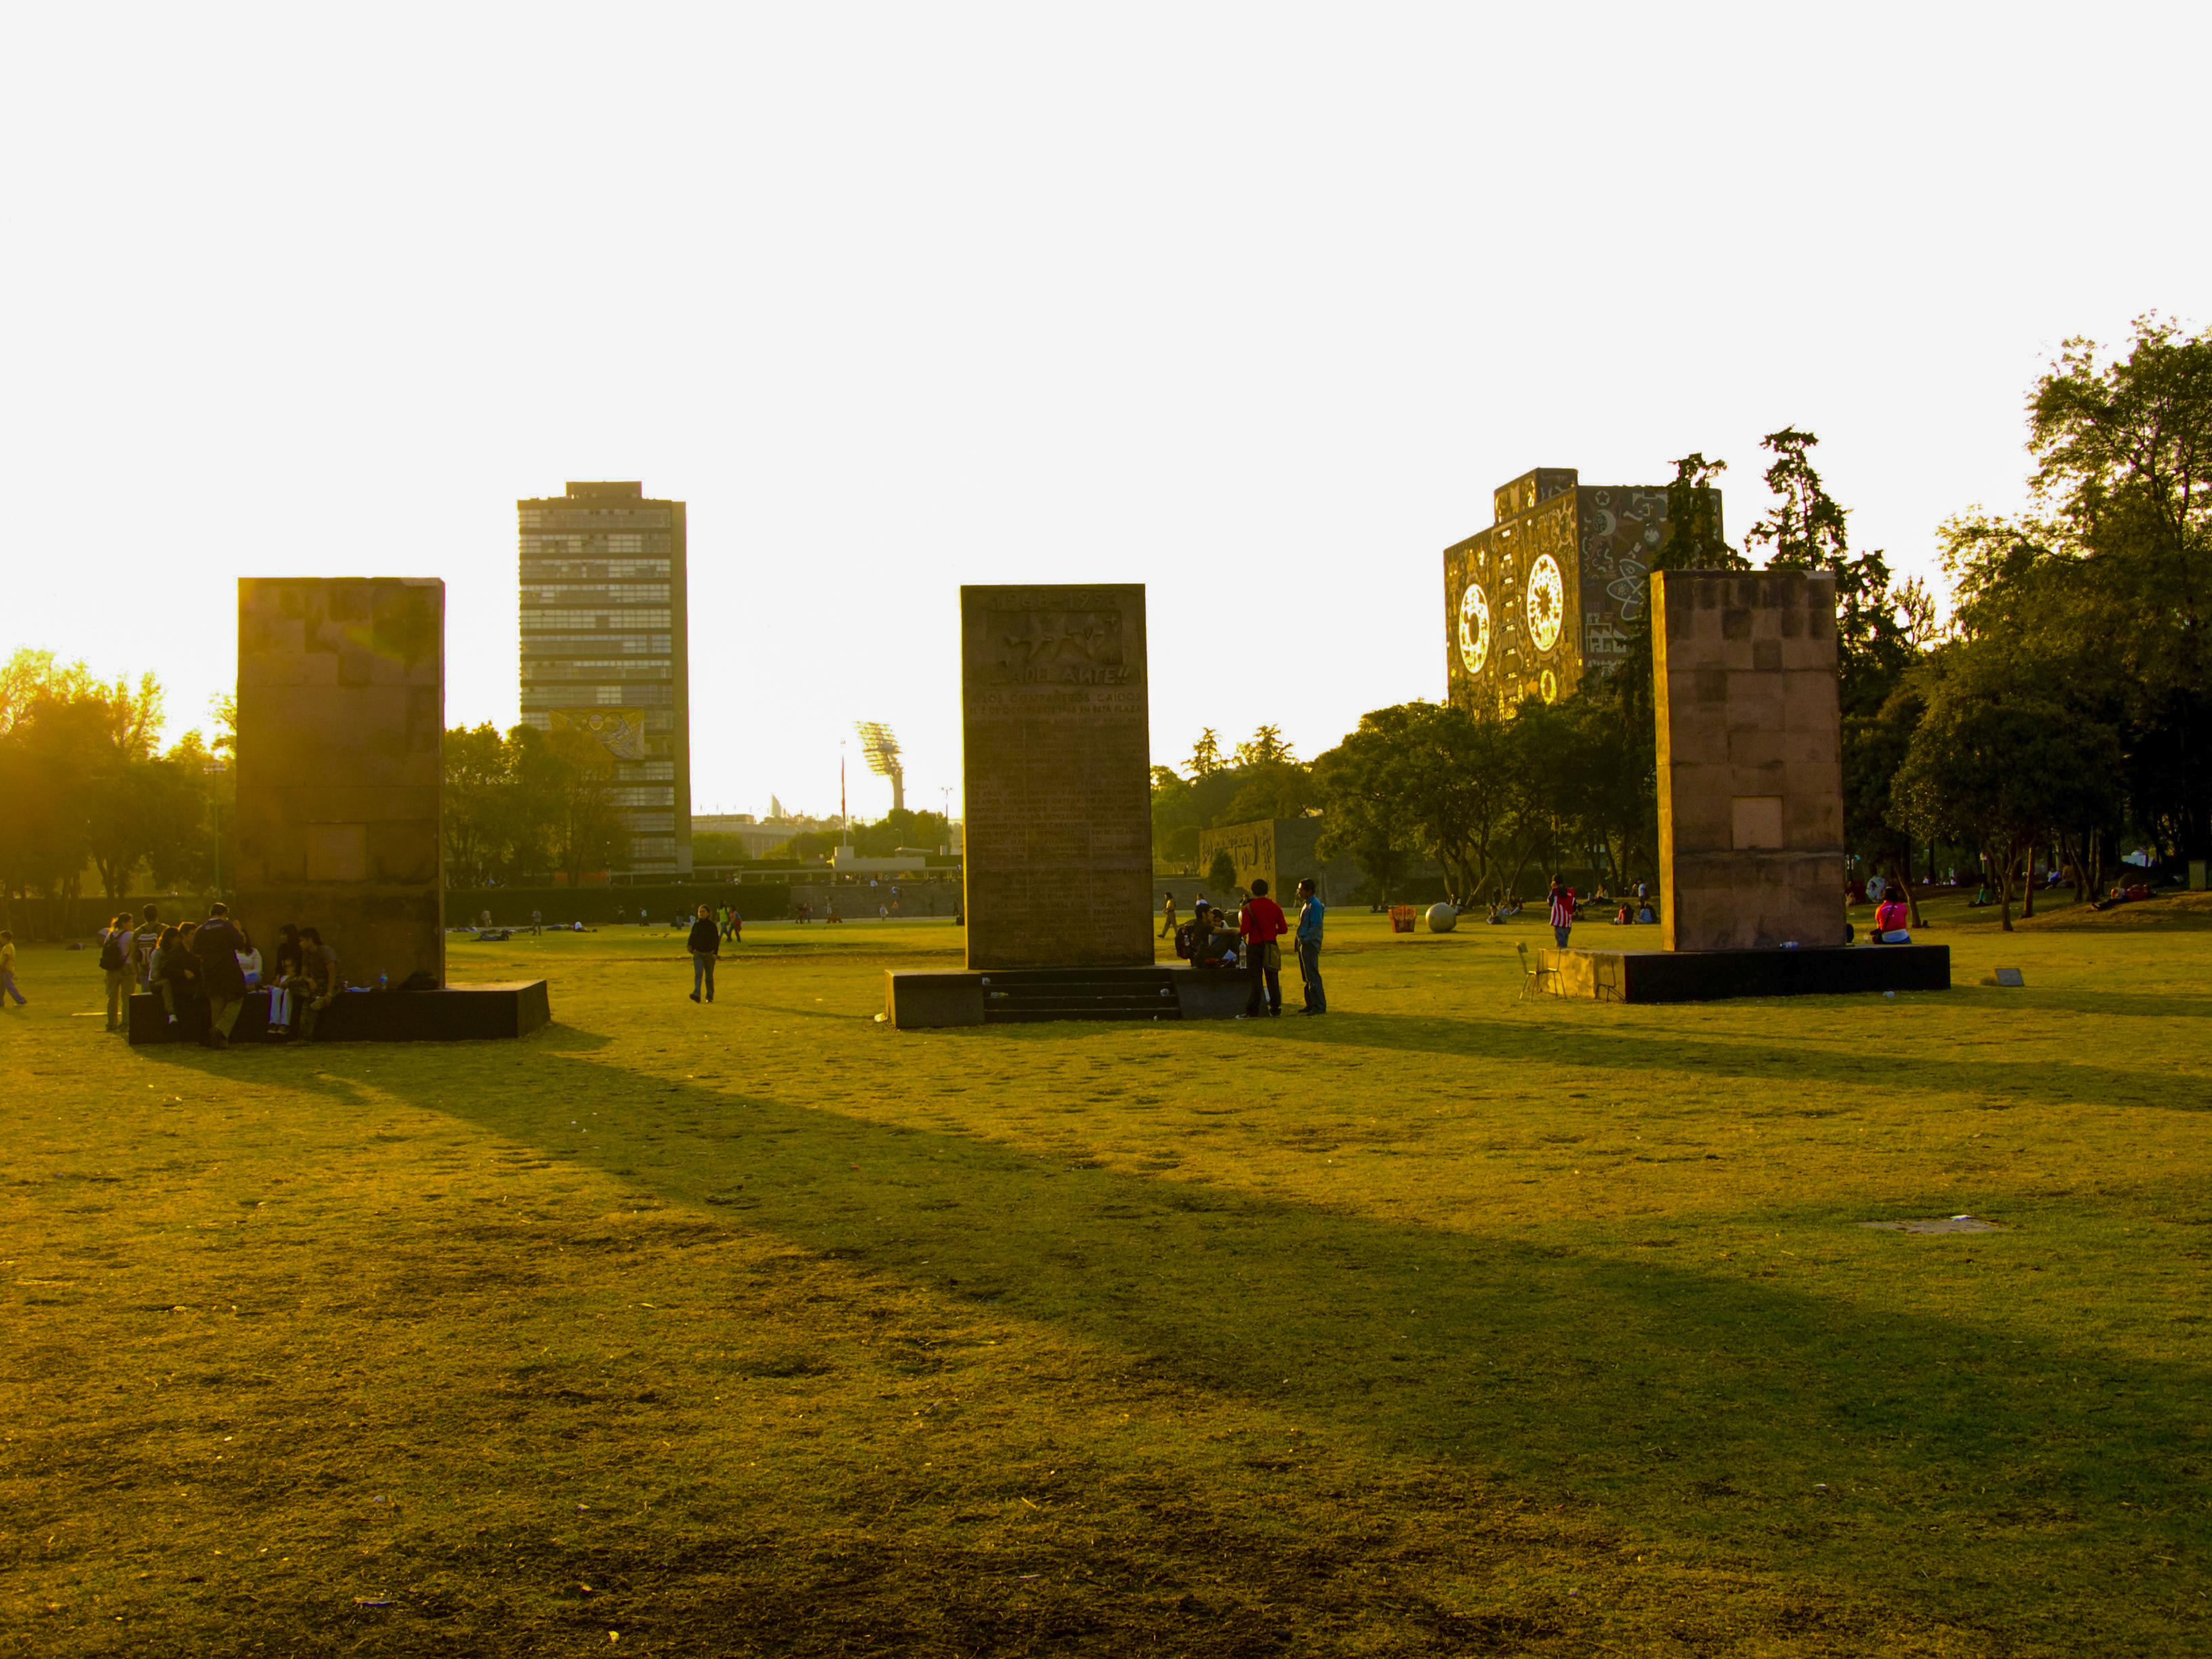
[(1253, 304)]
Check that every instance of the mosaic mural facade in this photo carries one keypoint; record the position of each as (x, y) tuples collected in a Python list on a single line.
[(1538, 601)]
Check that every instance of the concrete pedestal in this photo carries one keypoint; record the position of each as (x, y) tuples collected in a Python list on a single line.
[(459, 1012), (1710, 976), (1009, 996)]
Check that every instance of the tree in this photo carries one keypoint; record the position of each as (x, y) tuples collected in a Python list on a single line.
[(478, 780), (1221, 874), (1175, 818), (1206, 754), (1436, 779), (1996, 763), (1805, 531), (2123, 448)]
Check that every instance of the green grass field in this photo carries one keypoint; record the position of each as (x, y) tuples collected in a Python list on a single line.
[(1447, 1323)]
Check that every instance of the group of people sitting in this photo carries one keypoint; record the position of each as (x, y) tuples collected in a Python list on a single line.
[(203, 973)]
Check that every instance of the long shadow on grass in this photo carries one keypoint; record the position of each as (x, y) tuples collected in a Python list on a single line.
[(1924, 1457), (1507, 1043)]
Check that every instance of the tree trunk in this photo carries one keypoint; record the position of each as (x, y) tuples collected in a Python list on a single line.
[(2027, 897), (2001, 873), (1903, 878)]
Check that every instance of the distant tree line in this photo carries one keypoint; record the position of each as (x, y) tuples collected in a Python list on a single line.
[(87, 788), (2062, 709), (881, 838)]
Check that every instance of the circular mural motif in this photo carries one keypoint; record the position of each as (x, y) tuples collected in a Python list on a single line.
[(1473, 627), (1551, 686), (1547, 602)]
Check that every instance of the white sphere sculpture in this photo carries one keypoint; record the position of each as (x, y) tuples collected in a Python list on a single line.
[(1443, 918)]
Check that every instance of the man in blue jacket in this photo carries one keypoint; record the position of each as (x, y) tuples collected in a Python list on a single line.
[(1308, 939)]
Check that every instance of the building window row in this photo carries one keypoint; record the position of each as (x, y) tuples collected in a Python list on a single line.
[(648, 821), (593, 518), (589, 668), (643, 795), (646, 771), (558, 646), (536, 621), (550, 570), (605, 593)]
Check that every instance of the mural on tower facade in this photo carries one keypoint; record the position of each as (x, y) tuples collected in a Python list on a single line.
[(1537, 602)]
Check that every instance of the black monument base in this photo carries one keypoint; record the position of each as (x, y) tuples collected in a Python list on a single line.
[(457, 1013), (1710, 976), (1007, 996)]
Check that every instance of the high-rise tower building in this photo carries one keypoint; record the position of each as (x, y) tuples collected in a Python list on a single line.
[(603, 650)]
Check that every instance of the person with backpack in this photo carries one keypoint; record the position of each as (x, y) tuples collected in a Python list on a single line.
[(115, 966), (1261, 924)]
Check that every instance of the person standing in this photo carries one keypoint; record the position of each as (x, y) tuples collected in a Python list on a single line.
[(1167, 916), (1261, 921), (115, 946), (217, 944), (706, 949), (1311, 912), (141, 947), (7, 987), (1563, 911), (537, 923)]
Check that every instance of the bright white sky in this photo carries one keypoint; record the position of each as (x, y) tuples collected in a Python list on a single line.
[(1253, 304)]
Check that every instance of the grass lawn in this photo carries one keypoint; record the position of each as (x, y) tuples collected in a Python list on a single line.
[(1446, 1323)]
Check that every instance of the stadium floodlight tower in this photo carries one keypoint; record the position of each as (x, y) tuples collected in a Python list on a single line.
[(882, 753)]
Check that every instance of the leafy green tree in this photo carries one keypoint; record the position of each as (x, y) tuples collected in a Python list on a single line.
[(1221, 874), (901, 827), (1206, 754), (1805, 531), (1998, 763), (2123, 448), (476, 805)]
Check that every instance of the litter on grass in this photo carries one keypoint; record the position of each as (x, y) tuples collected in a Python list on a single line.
[(1953, 1223)]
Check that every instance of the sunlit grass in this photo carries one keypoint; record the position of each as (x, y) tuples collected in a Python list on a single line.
[(1448, 1322)]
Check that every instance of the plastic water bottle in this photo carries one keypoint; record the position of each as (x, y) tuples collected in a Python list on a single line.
[(384, 981)]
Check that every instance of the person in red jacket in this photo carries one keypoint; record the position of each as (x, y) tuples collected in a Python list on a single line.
[(1262, 923)]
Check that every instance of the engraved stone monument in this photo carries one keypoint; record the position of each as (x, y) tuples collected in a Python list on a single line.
[(1057, 777), (341, 720)]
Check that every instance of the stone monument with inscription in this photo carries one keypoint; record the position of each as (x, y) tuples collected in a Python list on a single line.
[(1056, 776)]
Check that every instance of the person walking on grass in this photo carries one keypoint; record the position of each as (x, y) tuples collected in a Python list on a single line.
[(7, 987), (1563, 910), (115, 945), (706, 948), (217, 944), (1311, 912), (1167, 916), (1260, 920)]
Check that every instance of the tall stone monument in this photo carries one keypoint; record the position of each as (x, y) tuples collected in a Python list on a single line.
[(1057, 777), (1751, 799), (340, 719)]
